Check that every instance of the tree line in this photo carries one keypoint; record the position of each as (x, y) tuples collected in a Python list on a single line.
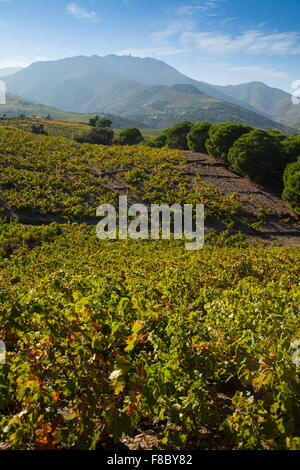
[(269, 158)]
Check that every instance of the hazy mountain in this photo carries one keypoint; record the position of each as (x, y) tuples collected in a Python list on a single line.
[(16, 106), (9, 70), (130, 87), (163, 106), (39, 79), (272, 102)]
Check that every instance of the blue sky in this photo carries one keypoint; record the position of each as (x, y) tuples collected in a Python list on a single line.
[(218, 41)]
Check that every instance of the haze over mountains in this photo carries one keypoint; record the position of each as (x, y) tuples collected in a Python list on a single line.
[(271, 102), (150, 91), (9, 70)]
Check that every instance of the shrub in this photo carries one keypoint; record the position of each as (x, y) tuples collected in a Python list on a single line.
[(177, 135), (291, 192), (158, 143), (258, 155), (223, 136), (103, 122), (291, 147), (277, 134), (198, 136), (94, 120), (97, 135), (38, 129), (130, 136)]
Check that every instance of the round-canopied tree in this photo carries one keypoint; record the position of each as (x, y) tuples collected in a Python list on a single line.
[(94, 120), (222, 137), (38, 129), (198, 136), (291, 145), (291, 192), (103, 122), (158, 142), (177, 135), (97, 135), (277, 134), (130, 136), (260, 156)]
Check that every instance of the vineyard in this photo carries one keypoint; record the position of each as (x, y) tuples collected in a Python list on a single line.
[(53, 128), (110, 340)]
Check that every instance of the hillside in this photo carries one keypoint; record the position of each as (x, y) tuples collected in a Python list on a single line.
[(16, 106), (140, 344), (271, 102), (83, 176), (139, 89), (40, 79), (162, 106)]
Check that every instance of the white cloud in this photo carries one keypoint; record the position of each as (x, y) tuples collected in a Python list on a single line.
[(249, 42), (261, 70), (21, 61), (185, 18), (17, 62), (186, 32), (80, 13), (151, 52)]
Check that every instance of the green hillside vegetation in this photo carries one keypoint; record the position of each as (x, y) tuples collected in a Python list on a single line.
[(16, 107), (68, 181), (291, 179), (53, 128), (222, 137), (261, 155), (105, 335), (162, 107), (198, 135), (108, 339), (156, 108), (291, 147), (69, 129), (218, 140)]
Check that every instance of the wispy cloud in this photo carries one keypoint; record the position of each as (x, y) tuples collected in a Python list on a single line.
[(17, 62), (209, 8), (185, 32), (81, 13), (184, 19), (21, 61), (151, 51), (249, 42), (257, 70)]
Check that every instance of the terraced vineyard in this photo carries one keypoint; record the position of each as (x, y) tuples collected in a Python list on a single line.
[(142, 342), (48, 179), (53, 128)]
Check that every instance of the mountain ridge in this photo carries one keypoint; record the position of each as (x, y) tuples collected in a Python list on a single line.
[(16, 106), (273, 102), (129, 86)]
